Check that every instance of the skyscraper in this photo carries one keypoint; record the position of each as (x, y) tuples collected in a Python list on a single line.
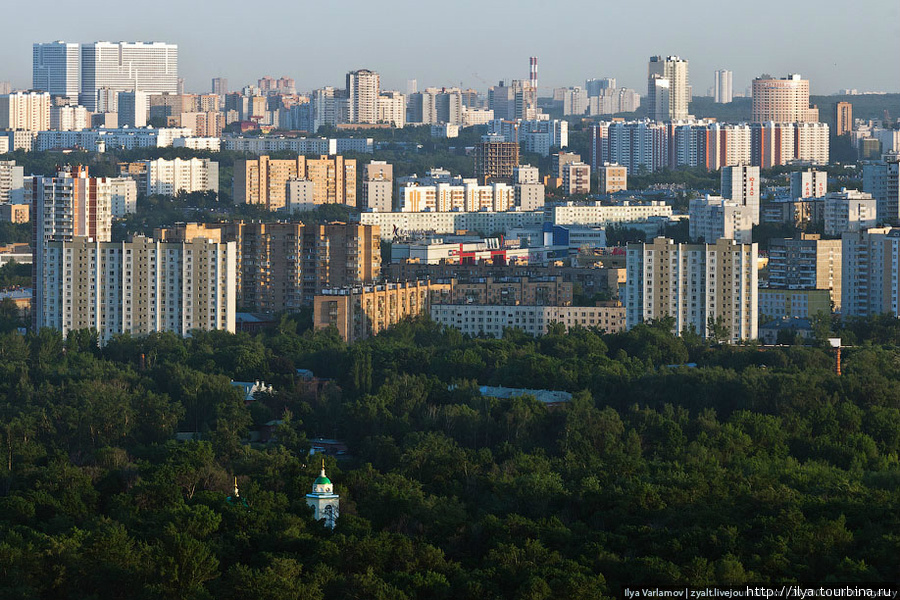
[(150, 67), (667, 88), (220, 86), (783, 100), (723, 88), (363, 88), (57, 69), (843, 118)]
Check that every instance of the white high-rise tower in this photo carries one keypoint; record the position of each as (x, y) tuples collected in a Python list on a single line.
[(723, 89), (668, 88), (150, 67), (57, 69)]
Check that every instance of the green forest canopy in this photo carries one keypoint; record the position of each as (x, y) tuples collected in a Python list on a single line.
[(752, 467)]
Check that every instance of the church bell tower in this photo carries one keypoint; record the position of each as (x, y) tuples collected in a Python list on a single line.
[(324, 501)]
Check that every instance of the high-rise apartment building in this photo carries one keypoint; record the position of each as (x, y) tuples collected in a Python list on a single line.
[(365, 311), (219, 86), (377, 186), (714, 217), (783, 100), (868, 268), (282, 266), (150, 67), (25, 111), (65, 206), (134, 109), (699, 285), (809, 183), (137, 287), (740, 183), (723, 89), (363, 89), (882, 180), (515, 101), (806, 262), (495, 161), (56, 69), (264, 180), (69, 118), (668, 95), (12, 183), (612, 177), (843, 118), (169, 177), (849, 210), (576, 178), (392, 109)]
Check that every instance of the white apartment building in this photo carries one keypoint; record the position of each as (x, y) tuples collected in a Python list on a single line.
[(12, 182), (317, 146), (392, 109), (492, 319), (69, 118), (138, 287), (169, 177), (714, 217), (576, 178), (402, 223), (882, 181), (810, 183), (213, 144), (150, 67), (122, 193), (668, 88), (363, 89), (697, 284), (98, 140), (446, 197), (25, 111), (849, 210), (811, 143), (863, 271), (378, 186), (597, 214), (723, 88), (535, 136), (740, 184), (529, 196)]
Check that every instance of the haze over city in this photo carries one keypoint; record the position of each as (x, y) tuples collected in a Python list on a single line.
[(479, 43)]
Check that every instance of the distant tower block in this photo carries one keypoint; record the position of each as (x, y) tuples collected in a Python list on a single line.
[(533, 77), (324, 501)]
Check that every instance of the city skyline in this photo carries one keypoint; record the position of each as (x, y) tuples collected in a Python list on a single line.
[(824, 54)]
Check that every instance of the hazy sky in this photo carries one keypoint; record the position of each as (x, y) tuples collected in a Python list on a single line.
[(478, 42)]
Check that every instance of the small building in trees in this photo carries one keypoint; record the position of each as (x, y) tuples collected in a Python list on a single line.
[(323, 500)]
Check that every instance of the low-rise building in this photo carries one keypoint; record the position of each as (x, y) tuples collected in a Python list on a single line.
[(363, 311), (475, 319), (781, 303)]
